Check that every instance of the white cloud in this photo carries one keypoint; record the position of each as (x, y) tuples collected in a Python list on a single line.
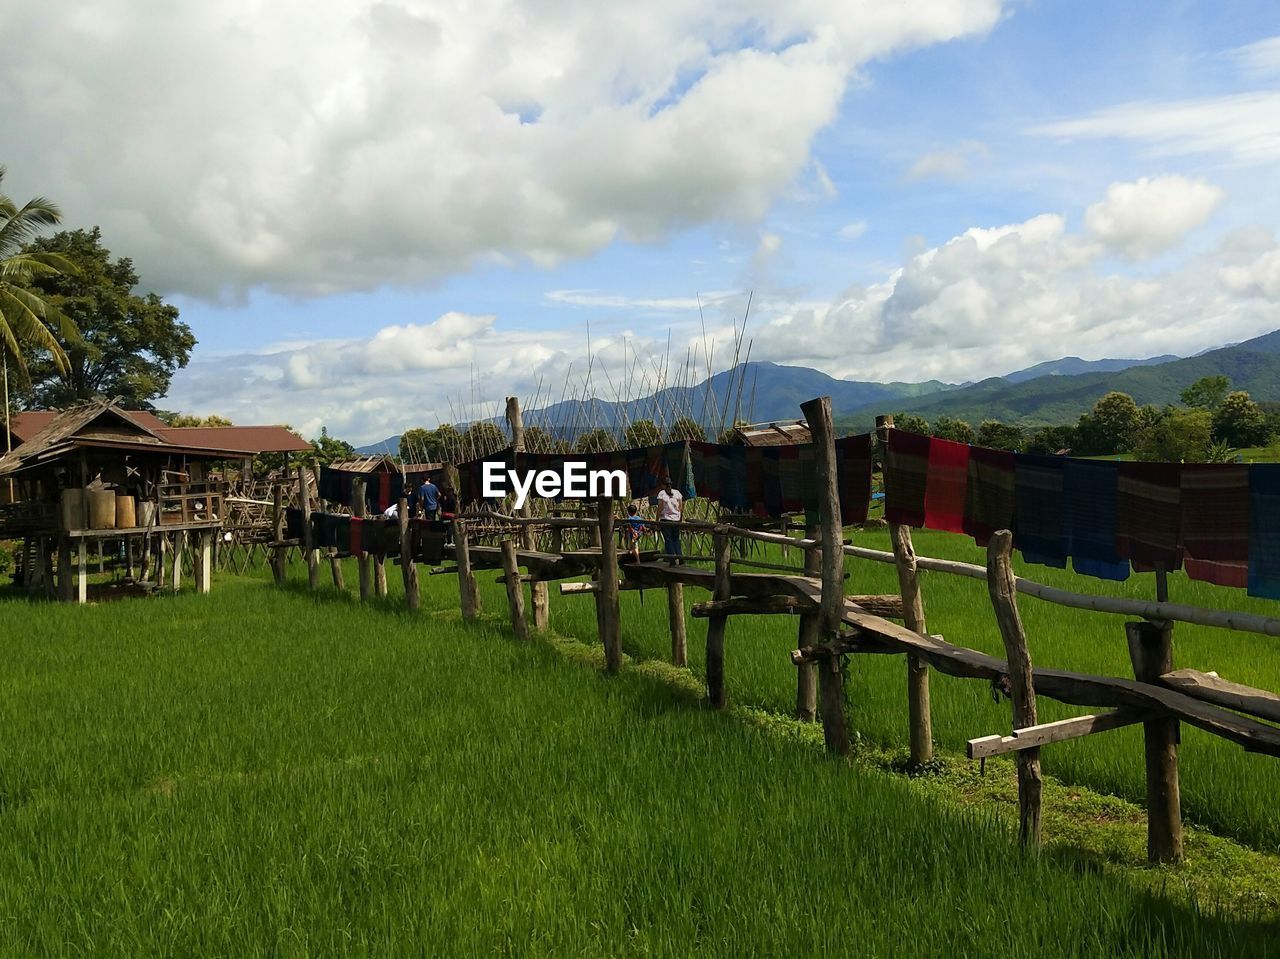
[(852, 231), (311, 147), (954, 163), (769, 246), (1260, 59), (1245, 126), (1149, 216), (1259, 278)]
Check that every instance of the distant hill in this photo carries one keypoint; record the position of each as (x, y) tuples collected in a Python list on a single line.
[(1074, 366), (390, 445), (1253, 365)]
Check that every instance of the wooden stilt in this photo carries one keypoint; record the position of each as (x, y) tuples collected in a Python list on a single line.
[(380, 574), (1004, 599), (835, 729), (82, 571), (720, 547), (66, 576), (809, 633), (1151, 651), (515, 590), (610, 620), (408, 568), (335, 568), (364, 561), (468, 597), (277, 522), (675, 616), (204, 562), (179, 544), (308, 538)]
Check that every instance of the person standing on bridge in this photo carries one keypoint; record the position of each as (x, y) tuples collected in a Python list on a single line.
[(670, 511)]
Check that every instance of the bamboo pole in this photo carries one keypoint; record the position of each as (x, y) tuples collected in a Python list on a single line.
[(364, 560), (1151, 651), (515, 590), (1000, 585), (408, 568), (835, 730), (468, 597), (607, 599)]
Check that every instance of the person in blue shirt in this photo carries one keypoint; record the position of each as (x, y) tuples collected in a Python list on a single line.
[(429, 498), (633, 526)]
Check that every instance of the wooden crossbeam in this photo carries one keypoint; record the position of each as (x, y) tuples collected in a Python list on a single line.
[(1056, 732), (1212, 688)]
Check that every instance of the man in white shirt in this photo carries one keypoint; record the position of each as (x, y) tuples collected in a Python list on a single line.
[(670, 510)]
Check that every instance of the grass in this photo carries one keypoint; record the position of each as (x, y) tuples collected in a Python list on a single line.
[(267, 772)]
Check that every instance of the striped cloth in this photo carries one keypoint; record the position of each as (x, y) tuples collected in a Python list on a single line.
[(989, 499), (1264, 530), (945, 486), (1038, 529), (1149, 515), (356, 539), (1091, 488), (853, 471), (1215, 523), (906, 472)]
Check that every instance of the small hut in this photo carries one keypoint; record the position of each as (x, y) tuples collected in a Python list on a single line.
[(787, 433)]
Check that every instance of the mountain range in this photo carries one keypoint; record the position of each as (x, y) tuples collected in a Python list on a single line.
[(1053, 392)]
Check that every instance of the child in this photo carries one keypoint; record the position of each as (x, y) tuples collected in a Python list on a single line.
[(634, 527)]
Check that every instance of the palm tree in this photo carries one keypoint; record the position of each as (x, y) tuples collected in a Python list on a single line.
[(25, 318)]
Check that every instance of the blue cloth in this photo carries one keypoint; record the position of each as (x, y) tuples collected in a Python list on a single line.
[(1264, 530), (1038, 519), (1091, 519)]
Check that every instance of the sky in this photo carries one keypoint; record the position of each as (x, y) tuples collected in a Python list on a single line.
[(379, 215)]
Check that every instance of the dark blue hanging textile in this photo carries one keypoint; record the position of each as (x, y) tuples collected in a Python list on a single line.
[(293, 523), (1091, 519), (1264, 530), (1037, 524)]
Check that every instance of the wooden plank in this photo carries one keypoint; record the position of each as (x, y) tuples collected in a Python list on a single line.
[(1211, 688), (738, 606), (1056, 732), (1000, 585), (1151, 651)]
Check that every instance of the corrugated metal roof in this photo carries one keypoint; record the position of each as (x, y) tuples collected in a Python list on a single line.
[(379, 463), (28, 423), (248, 439), (790, 433)]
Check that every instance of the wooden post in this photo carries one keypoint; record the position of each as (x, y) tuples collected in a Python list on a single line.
[(809, 633), (608, 614), (66, 584), (82, 571), (364, 561), (408, 568), (467, 594), (380, 574), (204, 561), (1004, 599), (162, 564), (1151, 650), (675, 616), (279, 553), (723, 589), (515, 589), (179, 544), (46, 564), (335, 568), (308, 542), (102, 559), (817, 413), (538, 591)]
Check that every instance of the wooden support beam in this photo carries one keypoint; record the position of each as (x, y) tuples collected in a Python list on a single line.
[(1000, 585), (1151, 651), (607, 610), (408, 568), (204, 562), (721, 546), (515, 591), (468, 598), (740, 606), (835, 730), (335, 569), (82, 574), (66, 576), (1055, 732), (1212, 688), (309, 551), (809, 633), (364, 561), (379, 574), (179, 545), (675, 619)]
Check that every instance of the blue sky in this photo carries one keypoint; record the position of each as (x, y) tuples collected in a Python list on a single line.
[(411, 209)]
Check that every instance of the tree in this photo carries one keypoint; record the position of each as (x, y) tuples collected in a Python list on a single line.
[(328, 449), (1111, 427), (641, 433), (481, 439), (999, 436), (594, 441), (911, 422), (188, 419), (1181, 436), (686, 428), (1050, 440), (129, 345), (440, 445), (1206, 393), (1238, 421), (950, 428), (538, 440), (27, 319)]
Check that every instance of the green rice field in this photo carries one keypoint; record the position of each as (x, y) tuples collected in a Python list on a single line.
[(267, 772)]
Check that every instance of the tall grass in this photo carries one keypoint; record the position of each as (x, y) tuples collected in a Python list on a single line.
[(264, 772)]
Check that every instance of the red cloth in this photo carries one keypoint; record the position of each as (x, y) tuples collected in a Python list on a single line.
[(1149, 515), (989, 500), (1215, 523), (947, 482), (356, 539), (906, 470)]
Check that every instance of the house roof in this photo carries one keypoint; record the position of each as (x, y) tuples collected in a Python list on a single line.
[(789, 433), (377, 463), (23, 426), (249, 439)]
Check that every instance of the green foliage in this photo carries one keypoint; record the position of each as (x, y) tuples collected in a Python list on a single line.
[(1180, 436), (1239, 421), (686, 428), (949, 428), (1112, 426), (188, 419), (1050, 440), (327, 449), (641, 433), (1206, 393), (440, 445), (538, 440), (481, 439), (999, 436), (129, 345), (28, 320), (911, 423), (595, 441)]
